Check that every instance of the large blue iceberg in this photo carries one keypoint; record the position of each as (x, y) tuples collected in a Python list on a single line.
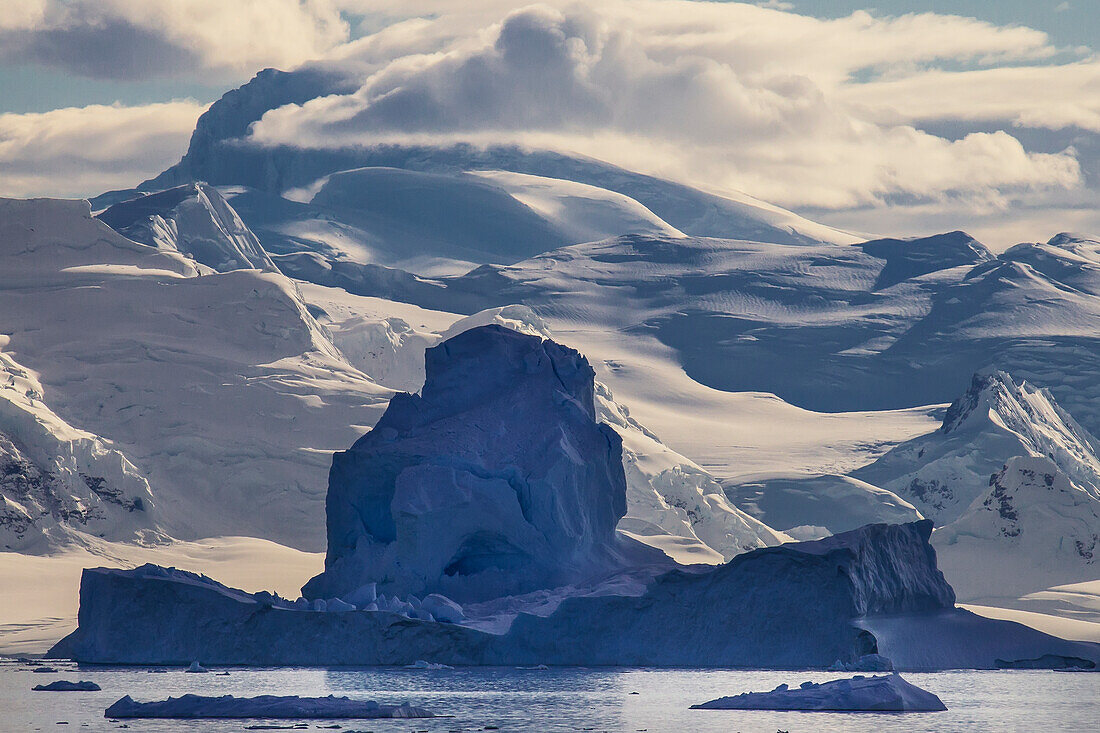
[(476, 525), (495, 480)]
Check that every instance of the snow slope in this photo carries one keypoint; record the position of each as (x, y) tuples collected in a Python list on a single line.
[(221, 390), (814, 506), (1033, 529)]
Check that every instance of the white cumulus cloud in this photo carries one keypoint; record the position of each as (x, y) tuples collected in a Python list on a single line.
[(130, 39), (722, 95), (80, 151)]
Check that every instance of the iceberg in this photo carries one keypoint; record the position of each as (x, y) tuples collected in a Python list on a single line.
[(476, 524), (888, 694), (263, 706), (876, 590), (68, 686), (495, 480)]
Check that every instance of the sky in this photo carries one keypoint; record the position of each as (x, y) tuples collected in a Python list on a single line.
[(895, 117)]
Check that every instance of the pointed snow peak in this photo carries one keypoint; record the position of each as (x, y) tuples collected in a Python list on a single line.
[(997, 419), (1029, 412), (984, 391), (195, 220)]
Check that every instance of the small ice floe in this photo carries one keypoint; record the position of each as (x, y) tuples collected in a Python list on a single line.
[(196, 668), (421, 664), (67, 686), (264, 706), (889, 693), (1056, 662), (866, 663)]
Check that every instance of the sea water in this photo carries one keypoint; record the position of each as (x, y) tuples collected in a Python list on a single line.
[(556, 699)]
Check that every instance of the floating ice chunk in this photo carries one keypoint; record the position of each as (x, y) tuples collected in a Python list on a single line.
[(335, 604), (421, 664), (889, 693), (866, 663), (264, 706), (1046, 661), (319, 604), (363, 595), (196, 668), (443, 608), (67, 686)]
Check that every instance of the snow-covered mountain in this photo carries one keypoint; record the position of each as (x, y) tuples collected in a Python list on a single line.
[(217, 390), (253, 308), (179, 385), (194, 220), (997, 419), (1032, 529), (56, 480), (221, 154)]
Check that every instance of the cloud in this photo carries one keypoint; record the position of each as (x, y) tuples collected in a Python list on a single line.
[(82, 151), (131, 39), (723, 95), (1067, 95)]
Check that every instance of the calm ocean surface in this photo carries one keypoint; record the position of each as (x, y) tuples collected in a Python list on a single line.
[(559, 699)]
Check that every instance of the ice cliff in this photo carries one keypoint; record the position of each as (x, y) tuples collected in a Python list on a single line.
[(495, 480)]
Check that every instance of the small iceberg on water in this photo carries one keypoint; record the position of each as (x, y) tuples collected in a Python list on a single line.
[(887, 694), (264, 706)]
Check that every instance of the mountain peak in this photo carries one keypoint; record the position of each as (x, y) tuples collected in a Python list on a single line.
[(910, 258), (996, 419), (195, 220)]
